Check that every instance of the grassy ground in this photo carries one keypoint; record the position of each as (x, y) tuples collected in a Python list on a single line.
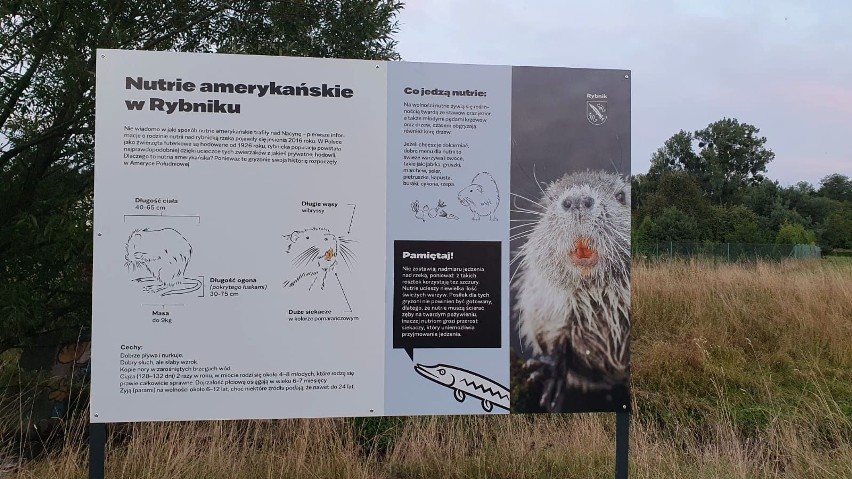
[(740, 371)]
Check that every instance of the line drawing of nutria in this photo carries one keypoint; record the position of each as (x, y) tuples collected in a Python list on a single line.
[(165, 255)]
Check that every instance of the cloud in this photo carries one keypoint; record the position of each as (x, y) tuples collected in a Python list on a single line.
[(781, 65)]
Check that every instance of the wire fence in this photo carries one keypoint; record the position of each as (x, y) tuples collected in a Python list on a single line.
[(725, 251)]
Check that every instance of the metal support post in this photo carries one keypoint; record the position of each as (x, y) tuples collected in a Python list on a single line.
[(97, 450), (622, 438)]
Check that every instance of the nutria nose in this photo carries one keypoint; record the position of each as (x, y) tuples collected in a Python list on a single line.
[(577, 203)]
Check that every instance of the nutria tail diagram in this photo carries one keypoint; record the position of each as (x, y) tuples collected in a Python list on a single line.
[(482, 196), (467, 383), (163, 254), (315, 254)]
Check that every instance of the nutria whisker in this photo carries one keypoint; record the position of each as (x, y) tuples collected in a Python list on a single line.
[(529, 212), (516, 196)]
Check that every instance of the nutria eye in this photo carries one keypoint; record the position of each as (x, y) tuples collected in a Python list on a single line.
[(620, 197), (566, 203)]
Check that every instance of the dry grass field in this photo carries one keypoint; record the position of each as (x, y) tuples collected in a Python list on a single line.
[(739, 371)]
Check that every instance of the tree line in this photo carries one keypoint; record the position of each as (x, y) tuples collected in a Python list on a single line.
[(710, 186)]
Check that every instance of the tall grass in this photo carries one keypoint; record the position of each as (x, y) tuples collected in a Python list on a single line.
[(739, 371)]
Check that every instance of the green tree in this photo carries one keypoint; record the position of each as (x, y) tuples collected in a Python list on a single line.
[(781, 214), (645, 233), (673, 225), (641, 187), (679, 190), (740, 225), (836, 232), (791, 233), (761, 198), (675, 189), (730, 156), (836, 187), (676, 154), (804, 200), (47, 64)]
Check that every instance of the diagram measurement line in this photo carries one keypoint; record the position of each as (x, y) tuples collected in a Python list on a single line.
[(344, 293), (197, 217), (352, 218)]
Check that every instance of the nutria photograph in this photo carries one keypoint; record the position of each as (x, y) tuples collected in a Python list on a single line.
[(570, 239)]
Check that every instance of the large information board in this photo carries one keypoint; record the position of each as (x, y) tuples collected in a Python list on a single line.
[(295, 237)]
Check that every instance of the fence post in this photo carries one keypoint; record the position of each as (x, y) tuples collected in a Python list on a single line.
[(729, 251)]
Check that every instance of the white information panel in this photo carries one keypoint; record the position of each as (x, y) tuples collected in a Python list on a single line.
[(210, 181), (293, 237)]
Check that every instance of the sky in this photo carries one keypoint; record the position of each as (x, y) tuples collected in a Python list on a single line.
[(782, 66)]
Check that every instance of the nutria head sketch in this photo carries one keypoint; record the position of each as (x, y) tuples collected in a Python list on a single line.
[(318, 248), (482, 196), (315, 252)]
